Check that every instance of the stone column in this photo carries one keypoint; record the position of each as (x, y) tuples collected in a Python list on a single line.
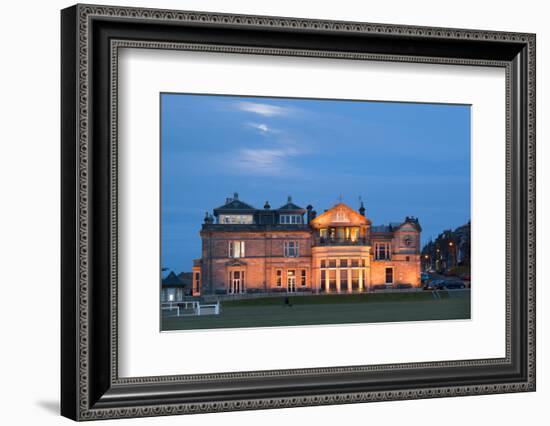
[(350, 286), (317, 280), (361, 279)]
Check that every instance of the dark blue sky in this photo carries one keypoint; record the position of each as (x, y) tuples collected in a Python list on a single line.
[(401, 158)]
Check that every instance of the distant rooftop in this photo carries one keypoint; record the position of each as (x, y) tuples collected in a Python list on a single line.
[(173, 280), (234, 205), (290, 206)]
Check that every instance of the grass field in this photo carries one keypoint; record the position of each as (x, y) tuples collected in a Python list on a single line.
[(337, 309)]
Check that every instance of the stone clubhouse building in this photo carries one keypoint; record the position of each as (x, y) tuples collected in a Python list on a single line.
[(291, 249)]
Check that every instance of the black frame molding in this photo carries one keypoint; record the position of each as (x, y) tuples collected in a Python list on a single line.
[(91, 37)]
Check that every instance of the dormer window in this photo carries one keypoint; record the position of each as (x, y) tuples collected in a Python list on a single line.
[(290, 219), (236, 219)]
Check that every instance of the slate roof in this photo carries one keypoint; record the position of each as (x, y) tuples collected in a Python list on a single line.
[(172, 280), (186, 278), (396, 225), (380, 228), (254, 227), (290, 206), (414, 222), (235, 205)]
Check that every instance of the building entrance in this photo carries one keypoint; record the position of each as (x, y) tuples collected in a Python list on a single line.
[(389, 276), (291, 281), (236, 282)]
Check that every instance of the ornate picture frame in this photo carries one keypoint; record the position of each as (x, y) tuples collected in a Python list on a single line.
[(91, 386)]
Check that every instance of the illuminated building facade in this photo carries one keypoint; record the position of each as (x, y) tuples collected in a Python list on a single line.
[(291, 249)]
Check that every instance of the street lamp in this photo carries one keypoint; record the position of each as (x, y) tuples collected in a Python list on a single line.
[(426, 262), (451, 247)]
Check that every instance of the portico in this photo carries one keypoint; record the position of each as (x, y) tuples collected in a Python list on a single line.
[(341, 269)]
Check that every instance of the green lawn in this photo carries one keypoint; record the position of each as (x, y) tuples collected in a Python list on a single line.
[(337, 309)]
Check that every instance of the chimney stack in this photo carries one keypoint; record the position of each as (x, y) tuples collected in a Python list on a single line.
[(309, 209)]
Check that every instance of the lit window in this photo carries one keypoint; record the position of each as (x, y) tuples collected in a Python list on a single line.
[(236, 219), (197, 281), (290, 219), (236, 249), (332, 279), (344, 278), (382, 251), (236, 282), (291, 280), (354, 278), (291, 248)]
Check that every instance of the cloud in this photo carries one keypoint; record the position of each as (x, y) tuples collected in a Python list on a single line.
[(264, 129), (270, 162), (264, 110), (261, 127)]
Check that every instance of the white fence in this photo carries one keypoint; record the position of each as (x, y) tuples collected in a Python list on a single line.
[(192, 308)]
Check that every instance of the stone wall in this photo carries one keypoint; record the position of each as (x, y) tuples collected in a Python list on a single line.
[(264, 254), (404, 272)]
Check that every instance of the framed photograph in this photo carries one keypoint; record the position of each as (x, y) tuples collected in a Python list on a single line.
[(263, 212)]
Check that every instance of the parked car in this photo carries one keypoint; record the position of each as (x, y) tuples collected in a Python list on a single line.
[(424, 276), (453, 285), (465, 277), (379, 287), (402, 286), (435, 285)]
